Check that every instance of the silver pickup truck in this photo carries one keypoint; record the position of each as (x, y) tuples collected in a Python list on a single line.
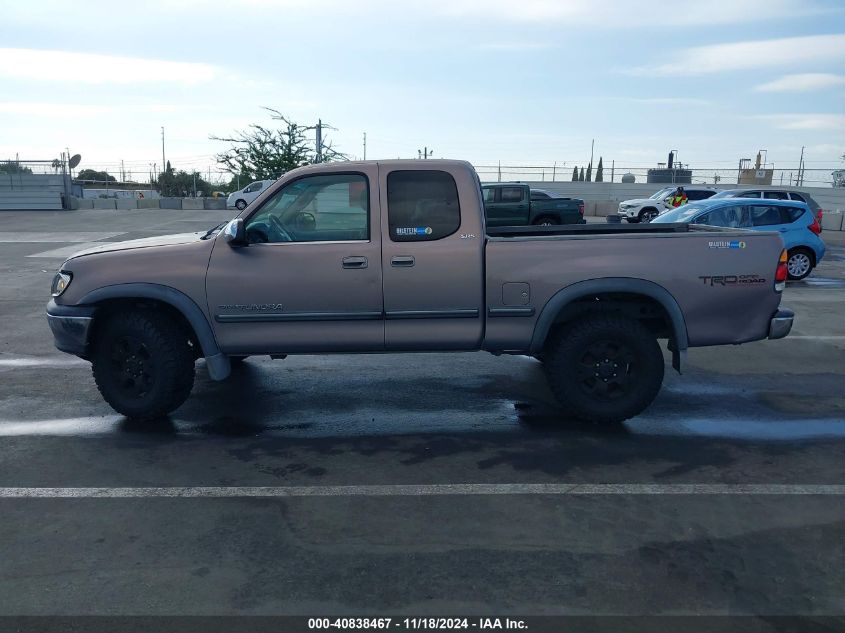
[(394, 256)]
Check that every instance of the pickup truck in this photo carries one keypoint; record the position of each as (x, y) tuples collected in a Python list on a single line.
[(515, 204), (395, 256)]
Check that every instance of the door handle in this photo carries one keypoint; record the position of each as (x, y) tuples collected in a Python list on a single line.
[(402, 261), (355, 262)]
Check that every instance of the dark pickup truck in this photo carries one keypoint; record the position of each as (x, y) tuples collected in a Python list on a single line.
[(515, 204)]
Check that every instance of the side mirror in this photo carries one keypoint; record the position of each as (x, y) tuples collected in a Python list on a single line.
[(234, 233)]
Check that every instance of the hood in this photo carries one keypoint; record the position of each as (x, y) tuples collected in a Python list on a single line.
[(639, 201), (147, 242)]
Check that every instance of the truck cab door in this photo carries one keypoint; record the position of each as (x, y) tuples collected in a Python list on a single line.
[(432, 257), (309, 279)]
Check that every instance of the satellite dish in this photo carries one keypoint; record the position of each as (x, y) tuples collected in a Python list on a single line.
[(74, 160)]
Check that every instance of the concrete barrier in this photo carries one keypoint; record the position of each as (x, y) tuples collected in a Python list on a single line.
[(192, 203), (104, 203), (126, 203), (82, 203), (170, 203), (216, 204), (148, 203), (832, 220)]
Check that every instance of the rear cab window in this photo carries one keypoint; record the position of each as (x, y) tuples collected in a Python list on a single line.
[(511, 194), (422, 205)]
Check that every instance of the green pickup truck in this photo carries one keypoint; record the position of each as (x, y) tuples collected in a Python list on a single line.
[(515, 204)]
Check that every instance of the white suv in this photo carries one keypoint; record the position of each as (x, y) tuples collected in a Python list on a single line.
[(646, 209), (241, 198)]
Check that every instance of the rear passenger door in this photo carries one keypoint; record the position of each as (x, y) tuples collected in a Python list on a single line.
[(432, 258)]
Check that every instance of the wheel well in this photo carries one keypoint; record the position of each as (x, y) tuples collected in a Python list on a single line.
[(108, 307), (641, 308), (644, 209)]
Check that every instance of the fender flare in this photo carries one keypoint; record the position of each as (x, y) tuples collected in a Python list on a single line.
[(628, 285), (218, 364)]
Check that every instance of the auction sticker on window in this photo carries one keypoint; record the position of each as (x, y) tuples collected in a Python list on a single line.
[(413, 230)]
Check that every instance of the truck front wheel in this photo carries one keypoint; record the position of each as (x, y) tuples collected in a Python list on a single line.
[(604, 368), (143, 364)]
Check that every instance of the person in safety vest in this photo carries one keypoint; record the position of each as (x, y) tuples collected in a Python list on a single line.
[(678, 198)]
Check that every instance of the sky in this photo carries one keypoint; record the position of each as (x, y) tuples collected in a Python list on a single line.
[(528, 82)]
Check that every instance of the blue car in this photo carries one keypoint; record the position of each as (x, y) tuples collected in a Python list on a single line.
[(798, 226)]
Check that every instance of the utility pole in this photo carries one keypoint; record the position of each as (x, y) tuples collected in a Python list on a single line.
[(319, 140), (554, 169), (365, 146), (163, 162), (424, 153), (195, 183), (800, 179), (500, 172), (592, 147), (612, 169), (122, 172)]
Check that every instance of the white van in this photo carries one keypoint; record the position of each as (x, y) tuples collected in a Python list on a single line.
[(241, 198)]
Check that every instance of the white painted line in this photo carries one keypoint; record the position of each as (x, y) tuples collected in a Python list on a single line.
[(422, 490), (41, 362), (60, 236), (817, 338)]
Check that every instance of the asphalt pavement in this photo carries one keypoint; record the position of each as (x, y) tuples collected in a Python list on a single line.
[(416, 484)]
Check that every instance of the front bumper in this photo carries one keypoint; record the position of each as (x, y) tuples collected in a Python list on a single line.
[(781, 323), (70, 326)]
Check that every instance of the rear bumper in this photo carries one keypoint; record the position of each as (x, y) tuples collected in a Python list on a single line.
[(70, 326), (781, 323)]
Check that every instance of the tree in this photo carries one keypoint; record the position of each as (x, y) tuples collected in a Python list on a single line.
[(590, 171), (12, 167), (575, 174), (262, 153), (600, 172), (92, 174), (182, 183), (581, 178)]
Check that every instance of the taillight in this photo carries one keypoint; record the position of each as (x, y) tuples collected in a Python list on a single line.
[(781, 273), (581, 209), (816, 226)]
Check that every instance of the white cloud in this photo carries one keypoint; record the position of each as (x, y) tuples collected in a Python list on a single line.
[(812, 122), (787, 51), (46, 65), (613, 13), (802, 83)]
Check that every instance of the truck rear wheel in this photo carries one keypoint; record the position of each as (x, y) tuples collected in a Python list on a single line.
[(545, 220), (143, 364), (604, 368)]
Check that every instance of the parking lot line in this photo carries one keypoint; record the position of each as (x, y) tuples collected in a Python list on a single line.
[(420, 490)]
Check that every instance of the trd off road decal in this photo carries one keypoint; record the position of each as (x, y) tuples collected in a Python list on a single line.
[(733, 280)]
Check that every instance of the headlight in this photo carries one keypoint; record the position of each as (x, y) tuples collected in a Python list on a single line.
[(60, 283)]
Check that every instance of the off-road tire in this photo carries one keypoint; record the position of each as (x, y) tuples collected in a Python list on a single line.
[(545, 220), (632, 375), (240, 205), (142, 364)]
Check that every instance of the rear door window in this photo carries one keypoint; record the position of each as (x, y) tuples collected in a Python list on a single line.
[(489, 194), (792, 213), (763, 215), (422, 205)]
